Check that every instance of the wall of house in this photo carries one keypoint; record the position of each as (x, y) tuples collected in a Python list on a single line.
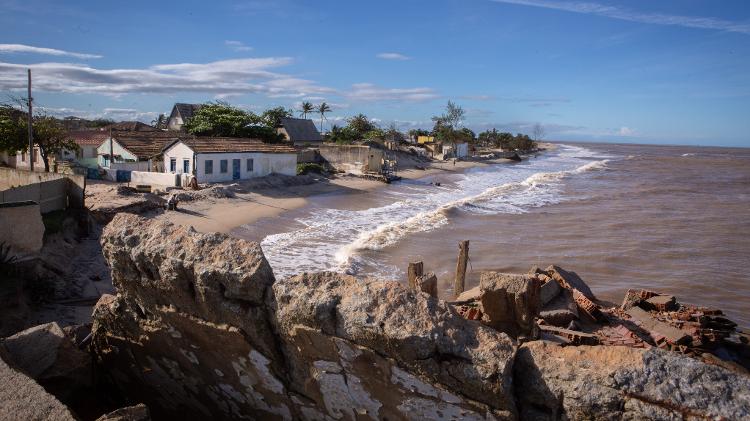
[(263, 164), (21, 228), (462, 150), (154, 178), (355, 159), (117, 149), (23, 162), (180, 152), (131, 166)]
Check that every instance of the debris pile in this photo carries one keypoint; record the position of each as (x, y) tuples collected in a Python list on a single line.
[(570, 314)]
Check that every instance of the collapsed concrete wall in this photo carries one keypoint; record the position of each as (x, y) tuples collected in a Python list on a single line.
[(200, 328), (21, 229), (52, 191)]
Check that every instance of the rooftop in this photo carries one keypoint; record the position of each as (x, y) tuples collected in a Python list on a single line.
[(301, 130), (231, 145)]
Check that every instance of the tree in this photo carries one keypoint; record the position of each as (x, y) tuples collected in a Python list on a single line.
[(342, 135), (393, 134), (306, 108), (221, 119), (51, 137), (13, 134), (160, 122), (272, 117), (538, 132), (323, 108), (360, 124), (418, 132), (49, 133)]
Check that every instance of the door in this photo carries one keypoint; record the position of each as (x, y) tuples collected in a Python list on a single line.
[(235, 169)]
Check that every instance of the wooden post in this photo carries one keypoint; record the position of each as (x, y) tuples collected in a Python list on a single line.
[(416, 269), (463, 259)]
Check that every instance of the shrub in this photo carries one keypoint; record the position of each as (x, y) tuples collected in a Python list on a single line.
[(309, 167)]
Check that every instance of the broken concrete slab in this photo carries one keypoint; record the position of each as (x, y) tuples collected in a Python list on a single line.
[(635, 296), (560, 311), (468, 295), (549, 291), (569, 280), (657, 329), (573, 337), (34, 350), (663, 303), (510, 302)]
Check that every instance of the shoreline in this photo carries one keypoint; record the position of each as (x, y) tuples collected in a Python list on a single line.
[(227, 214)]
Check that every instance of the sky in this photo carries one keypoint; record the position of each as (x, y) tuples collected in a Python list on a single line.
[(669, 71)]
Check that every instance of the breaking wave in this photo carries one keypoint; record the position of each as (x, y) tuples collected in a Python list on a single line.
[(335, 239)]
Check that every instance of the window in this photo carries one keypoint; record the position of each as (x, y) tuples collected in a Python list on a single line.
[(23, 155), (172, 164), (209, 166), (186, 166), (249, 164), (223, 166)]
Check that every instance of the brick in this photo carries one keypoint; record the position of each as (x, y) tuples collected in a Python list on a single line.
[(658, 330), (575, 337)]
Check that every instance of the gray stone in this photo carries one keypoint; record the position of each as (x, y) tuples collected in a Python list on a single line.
[(608, 382)]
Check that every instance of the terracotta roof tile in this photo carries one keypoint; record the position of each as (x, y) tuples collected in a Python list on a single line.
[(88, 137), (234, 144)]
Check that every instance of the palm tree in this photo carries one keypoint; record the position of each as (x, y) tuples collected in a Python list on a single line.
[(322, 110), (307, 107)]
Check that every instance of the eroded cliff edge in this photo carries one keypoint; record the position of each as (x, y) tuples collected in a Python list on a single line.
[(200, 328)]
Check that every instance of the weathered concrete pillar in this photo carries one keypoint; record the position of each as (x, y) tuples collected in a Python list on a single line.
[(463, 259), (416, 269)]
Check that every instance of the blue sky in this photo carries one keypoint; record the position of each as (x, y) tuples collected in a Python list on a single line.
[(607, 70)]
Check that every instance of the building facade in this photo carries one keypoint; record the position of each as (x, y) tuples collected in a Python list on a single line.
[(213, 160)]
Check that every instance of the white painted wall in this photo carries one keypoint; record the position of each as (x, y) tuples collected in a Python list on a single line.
[(263, 163), (117, 149), (153, 178)]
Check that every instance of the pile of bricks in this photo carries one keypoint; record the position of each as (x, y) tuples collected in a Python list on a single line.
[(469, 312)]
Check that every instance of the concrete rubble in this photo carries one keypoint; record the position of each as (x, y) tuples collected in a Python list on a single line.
[(200, 328)]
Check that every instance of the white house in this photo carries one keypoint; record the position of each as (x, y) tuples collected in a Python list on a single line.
[(216, 159), (141, 148), (180, 114)]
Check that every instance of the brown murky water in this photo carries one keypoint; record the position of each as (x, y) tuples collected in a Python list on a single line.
[(670, 219)]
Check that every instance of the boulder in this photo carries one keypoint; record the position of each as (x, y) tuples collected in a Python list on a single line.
[(510, 302), (569, 280), (560, 311), (613, 382), (21, 398)]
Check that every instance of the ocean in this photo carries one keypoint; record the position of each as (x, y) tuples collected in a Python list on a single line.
[(671, 219)]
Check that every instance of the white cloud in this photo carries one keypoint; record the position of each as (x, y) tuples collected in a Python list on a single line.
[(238, 46), (615, 12), (20, 48), (371, 92), (117, 114), (393, 56), (240, 76), (626, 131)]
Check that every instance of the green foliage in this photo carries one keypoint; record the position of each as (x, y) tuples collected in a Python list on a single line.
[(221, 119), (104, 122), (342, 135), (506, 140), (13, 134), (272, 117), (374, 134), (393, 134), (306, 108), (452, 118), (360, 124), (307, 168), (418, 132)]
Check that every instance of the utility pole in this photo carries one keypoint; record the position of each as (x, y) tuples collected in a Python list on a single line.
[(31, 136), (111, 152)]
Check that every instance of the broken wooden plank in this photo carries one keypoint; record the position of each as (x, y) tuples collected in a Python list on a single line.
[(463, 259)]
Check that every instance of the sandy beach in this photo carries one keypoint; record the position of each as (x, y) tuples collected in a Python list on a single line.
[(225, 214)]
